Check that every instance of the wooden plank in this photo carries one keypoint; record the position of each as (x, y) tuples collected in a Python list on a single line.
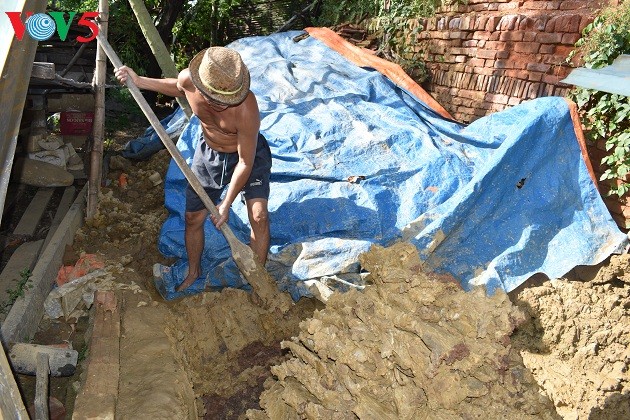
[(62, 209), (11, 404), (41, 387), (34, 212), (26, 313), (98, 396)]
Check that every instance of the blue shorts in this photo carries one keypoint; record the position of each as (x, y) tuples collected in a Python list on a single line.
[(214, 171)]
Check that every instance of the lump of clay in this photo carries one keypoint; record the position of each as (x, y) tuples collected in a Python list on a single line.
[(412, 346)]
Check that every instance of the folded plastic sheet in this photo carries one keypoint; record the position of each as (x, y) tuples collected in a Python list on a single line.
[(358, 161)]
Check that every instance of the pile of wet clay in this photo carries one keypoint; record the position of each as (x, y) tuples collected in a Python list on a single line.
[(578, 343), (411, 345)]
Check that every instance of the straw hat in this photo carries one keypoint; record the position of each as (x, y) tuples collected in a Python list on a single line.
[(220, 74)]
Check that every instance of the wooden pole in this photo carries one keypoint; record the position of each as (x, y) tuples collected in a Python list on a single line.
[(158, 47), (98, 131)]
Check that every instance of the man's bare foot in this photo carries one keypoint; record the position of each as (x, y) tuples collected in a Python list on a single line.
[(190, 279)]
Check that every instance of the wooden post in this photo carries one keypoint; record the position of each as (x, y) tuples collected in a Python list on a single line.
[(98, 131), (158, 47)]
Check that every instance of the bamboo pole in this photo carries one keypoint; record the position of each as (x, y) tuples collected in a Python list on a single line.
[(158, 47), (98, 130)]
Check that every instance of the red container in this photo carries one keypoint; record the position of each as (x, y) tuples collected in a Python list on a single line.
[(76, 123)]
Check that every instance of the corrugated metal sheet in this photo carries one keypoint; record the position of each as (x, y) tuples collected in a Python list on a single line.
[(612, 79)]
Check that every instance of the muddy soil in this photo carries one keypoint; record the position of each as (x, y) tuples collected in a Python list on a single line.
[(409, 346), (577, 343)]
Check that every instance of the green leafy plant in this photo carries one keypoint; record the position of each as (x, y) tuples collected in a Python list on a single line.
[(606, 116), (23, 284)]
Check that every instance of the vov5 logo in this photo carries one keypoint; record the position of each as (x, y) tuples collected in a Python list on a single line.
[(42, 26)]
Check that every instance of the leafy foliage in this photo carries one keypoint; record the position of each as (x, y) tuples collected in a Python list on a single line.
[(124, 33), (21, 287), (606, 116)]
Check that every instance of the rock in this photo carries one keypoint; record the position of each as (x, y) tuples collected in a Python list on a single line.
[(41, 174)]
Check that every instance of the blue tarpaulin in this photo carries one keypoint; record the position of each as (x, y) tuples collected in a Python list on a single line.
[(358, 161)]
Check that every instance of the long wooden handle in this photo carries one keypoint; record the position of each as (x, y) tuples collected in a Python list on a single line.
[(172, 149)]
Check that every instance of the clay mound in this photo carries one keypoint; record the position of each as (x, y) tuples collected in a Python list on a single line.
[(411, 346)]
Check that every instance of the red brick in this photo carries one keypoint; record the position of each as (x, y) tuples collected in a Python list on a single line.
[(487, 54), (586, 20), (502, 64), (541, 5), (508, 23), (570, 23), (526, 23), (481, 35), (496, 45), (514, 101), (508, 6), (492, 24), (547, 38), (572, 5), (457, 35), (547, 48), (551, 24), (471, 43), (570, 38), (539, 67), (465, 24), (480, 23), (529, 36), (503, 54), (535, 77), (527, 47), (549, 78), (511, 36), (541, 22), (563, 50), (476, 62)]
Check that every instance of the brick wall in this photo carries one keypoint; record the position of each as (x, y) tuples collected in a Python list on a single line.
[(485, 56)]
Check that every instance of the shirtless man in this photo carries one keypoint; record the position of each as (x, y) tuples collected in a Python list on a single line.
[(216, 84)]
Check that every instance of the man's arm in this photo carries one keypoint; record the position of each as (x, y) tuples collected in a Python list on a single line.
[(168, 86)]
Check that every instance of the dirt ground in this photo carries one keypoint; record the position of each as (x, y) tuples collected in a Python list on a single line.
[(410, 346)]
